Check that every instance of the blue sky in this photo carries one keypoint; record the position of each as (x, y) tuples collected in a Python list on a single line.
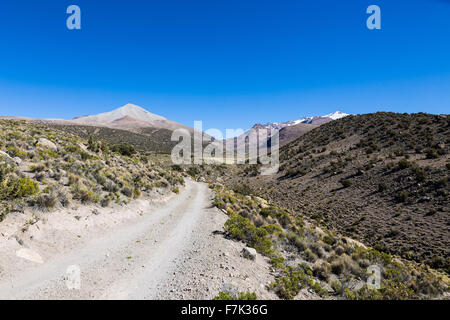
[(229, 63)]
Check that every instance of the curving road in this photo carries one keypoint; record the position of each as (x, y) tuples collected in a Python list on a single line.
[(133, 262)]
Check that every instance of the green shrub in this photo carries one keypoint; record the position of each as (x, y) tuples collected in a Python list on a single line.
[(105, 201), (277, 261), (382, 187), (83, 194), (432, 154), (47, 153), (37, 167), (329, 239), (177, 167), (85, 156), (124, 149), (16, 152), (337, 287), (297, 241), (241, 296), (402, 196), (93, 145), (193, 171), (243, 189), (5, 169), (241, 228), (272, 229), (293, 280), (26, 187), (100, 178), (281, 215)]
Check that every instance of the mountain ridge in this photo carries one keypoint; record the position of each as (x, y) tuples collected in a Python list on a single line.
[(305, 120)]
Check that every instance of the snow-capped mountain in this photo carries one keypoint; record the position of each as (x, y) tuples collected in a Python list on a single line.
[(318, 120), (336, 115), (290, 130)]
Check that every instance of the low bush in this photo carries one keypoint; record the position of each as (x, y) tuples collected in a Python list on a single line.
[(16, 152), (346, 183), (46, 201), (18, 188), (293, 280), (241, 228), (124, 149), (127, 191), (240, 296), (322, 271)]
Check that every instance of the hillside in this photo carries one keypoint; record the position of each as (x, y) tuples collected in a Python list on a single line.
[(311, 262), (381, 178), (130, 124), (291, 133), (45, 168), (310, 256), (288, 131), (146, 139)]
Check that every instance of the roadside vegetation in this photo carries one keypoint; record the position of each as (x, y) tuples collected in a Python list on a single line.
[(307, 257)]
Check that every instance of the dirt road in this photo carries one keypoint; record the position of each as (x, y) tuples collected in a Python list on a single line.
[(168, 251)]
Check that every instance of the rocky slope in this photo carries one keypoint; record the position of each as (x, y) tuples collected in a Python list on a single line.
[(47, 168), (128, 124), (380, 178)]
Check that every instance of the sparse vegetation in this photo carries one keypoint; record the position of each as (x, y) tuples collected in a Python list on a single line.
[(69, 168), (373, 166), (369, 174), (328, 260)]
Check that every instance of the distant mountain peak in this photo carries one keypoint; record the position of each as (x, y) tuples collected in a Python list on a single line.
[(306, 120), (129, 116), (129, 111), (131, 107), (134, 111), (336, 115)]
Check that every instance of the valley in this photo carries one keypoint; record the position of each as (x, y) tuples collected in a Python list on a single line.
[(380, 178)]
